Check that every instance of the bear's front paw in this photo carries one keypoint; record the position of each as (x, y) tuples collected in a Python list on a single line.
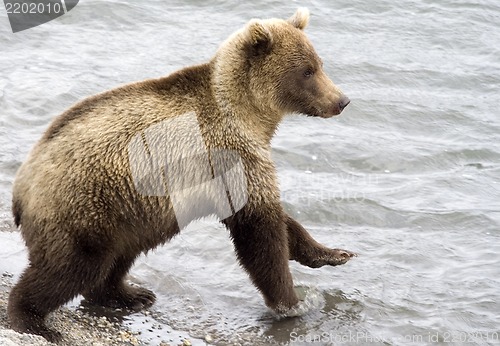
[(309, 299), (333, 257)]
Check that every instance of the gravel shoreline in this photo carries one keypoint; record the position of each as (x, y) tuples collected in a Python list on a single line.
[(77, 328)]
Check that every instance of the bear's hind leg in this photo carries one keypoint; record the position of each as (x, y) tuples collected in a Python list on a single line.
[(56, 274), (29, 304), (114, 292), (37, 293), (307, 251)]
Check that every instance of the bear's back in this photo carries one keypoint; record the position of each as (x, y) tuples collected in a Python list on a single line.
[(79, 174)]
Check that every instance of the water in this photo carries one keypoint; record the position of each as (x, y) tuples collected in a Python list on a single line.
[(408, 176)]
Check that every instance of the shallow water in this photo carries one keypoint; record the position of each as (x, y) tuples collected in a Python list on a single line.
[(408, 176)]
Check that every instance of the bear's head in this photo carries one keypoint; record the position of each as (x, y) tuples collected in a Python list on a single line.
[(271, 66)]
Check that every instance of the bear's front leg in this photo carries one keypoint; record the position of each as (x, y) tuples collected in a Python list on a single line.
[(261, 242), (307, 251)]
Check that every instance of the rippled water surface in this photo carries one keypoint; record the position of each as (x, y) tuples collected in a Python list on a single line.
[(408, 176)]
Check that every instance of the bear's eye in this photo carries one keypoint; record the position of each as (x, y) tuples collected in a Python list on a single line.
[(308, 73)]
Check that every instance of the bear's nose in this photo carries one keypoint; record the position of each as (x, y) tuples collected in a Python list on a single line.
[(344, 101)]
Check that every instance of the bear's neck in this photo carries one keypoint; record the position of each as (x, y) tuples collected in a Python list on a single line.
[(236, 103)]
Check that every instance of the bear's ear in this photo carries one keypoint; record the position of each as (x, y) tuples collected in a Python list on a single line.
[(260, 39), (300, 19)]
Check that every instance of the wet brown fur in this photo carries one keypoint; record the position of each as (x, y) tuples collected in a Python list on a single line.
[(83, 221)]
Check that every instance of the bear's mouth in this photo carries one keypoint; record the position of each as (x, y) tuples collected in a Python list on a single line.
[(332, 110), (314, 112), (319, 113)]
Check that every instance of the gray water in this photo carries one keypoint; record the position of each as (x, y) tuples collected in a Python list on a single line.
[(408, 176)]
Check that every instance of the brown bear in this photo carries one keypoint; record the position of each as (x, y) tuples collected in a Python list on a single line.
[(123, 171)]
